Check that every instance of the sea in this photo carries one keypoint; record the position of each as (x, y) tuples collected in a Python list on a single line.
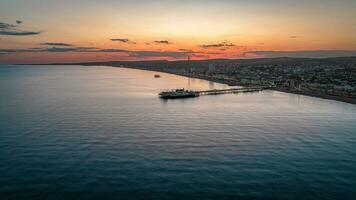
[(97, 132)]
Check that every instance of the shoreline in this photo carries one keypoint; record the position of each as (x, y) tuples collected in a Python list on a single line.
[(216, 80), (321, 96)]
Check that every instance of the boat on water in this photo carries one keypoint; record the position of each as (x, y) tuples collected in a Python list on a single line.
[(157, 76), (178, 93)]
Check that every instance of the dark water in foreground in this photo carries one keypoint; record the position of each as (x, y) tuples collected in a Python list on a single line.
[(72, 132)]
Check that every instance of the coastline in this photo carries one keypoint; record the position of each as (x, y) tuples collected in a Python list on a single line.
[(224, 81), (321, 96)]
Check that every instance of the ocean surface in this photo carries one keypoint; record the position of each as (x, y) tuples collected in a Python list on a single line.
[(75, 132)]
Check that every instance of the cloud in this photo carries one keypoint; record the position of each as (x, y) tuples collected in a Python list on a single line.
[(212, 45), (19, 33), (174, 54), (187, 50), (178, 54), (120, 40), (12, 30), (218, 45), (304, 54), (94, 49), (202, 56), (6, 25), (124, 40), (137, 54), (70, 49), (56, 44), (293, 36), (112, 50), (60, 49), (19, 22), (161, 42)]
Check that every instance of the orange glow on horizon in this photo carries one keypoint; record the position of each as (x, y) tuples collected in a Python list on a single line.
[(201, 29)]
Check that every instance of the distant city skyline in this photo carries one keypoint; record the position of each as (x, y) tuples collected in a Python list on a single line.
[(35, 31)]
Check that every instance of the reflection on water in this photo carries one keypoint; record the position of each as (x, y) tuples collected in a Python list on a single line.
[(72, 132)]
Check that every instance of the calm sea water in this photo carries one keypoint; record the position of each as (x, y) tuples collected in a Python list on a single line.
[(73, 132)]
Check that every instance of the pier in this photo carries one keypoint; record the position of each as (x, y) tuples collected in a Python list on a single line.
[(181, 93), (231, 90)]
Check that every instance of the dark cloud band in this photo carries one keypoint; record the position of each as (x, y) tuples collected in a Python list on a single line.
[(61, 49), (174, 54), (56, 44), (162, 42), (140, 54), (124, 40), (219, 45), (12, 30)]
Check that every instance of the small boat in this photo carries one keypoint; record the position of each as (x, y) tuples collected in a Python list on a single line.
[(157, 76)]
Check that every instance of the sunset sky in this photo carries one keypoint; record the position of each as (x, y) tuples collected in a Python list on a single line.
[(40, 31)]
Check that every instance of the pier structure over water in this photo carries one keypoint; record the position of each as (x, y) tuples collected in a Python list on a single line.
[(231, 90), (181, 93)]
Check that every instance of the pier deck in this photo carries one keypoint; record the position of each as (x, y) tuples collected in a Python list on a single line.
[(231, 90), (181, 93)]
